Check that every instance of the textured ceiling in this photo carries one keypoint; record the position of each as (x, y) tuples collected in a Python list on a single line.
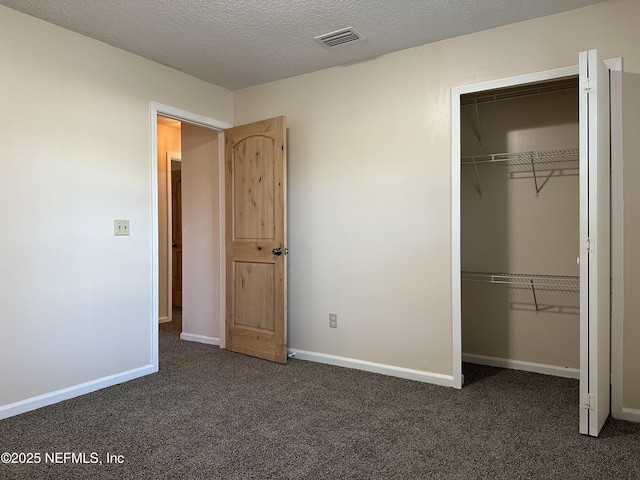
[(241, 43)]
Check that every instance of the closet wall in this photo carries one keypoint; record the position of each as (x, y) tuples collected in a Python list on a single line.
[(510, 225)]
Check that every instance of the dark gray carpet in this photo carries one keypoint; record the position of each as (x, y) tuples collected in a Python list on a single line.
[(213, 414)]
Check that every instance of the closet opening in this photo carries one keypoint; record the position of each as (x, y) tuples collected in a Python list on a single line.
[(520, 227), (515, 248)]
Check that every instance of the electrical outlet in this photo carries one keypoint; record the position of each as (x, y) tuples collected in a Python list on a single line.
[(333, 320), (121, 227)]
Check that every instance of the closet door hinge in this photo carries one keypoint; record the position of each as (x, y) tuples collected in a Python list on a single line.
[(588, 401), (591, 245), (588, 85)]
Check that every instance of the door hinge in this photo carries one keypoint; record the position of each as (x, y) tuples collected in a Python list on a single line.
[(588, 401), (591, 245), (588, 85)]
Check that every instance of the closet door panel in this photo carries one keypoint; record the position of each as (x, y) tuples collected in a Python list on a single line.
[(595, 276)]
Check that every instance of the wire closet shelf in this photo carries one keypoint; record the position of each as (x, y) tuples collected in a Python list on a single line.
[(554, 162), (536, 282), (540, 160), (564, 282)]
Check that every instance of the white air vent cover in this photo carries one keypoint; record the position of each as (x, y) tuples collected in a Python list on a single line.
[(339, 37)]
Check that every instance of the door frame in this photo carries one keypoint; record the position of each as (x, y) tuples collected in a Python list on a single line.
[(213, 124), (171, 156), (617, 225)]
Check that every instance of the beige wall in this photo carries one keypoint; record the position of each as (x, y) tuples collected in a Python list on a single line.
[(370, 183), (168, 142), (510, 230), (77, 301)]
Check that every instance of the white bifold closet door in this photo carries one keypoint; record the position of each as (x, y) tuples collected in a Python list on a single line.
[(595, 277)]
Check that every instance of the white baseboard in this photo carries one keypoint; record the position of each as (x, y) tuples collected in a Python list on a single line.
[(520, 365), (164, 320), (630, 414), (409, 374), (199, 338), (43, 400)]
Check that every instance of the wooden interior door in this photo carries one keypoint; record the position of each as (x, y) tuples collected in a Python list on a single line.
[(256, 282), (595, 270), (176, 236)]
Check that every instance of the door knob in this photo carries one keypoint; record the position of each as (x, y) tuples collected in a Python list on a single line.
[(174, 245), (277, 251)]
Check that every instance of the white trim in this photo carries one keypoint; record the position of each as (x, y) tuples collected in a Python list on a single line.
[(155, 259), (190, 337), (169, 206), (542, 368), (184, 116), (166, 319), (189, 117), (617, 227), (456, 288), (50, 398), (630, 415), (393, 371), (223, 241), (617, 239)]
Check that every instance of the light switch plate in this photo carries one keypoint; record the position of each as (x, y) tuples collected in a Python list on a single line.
[(121, 227)]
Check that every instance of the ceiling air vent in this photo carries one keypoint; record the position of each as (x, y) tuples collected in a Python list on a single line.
[(339, 37)]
